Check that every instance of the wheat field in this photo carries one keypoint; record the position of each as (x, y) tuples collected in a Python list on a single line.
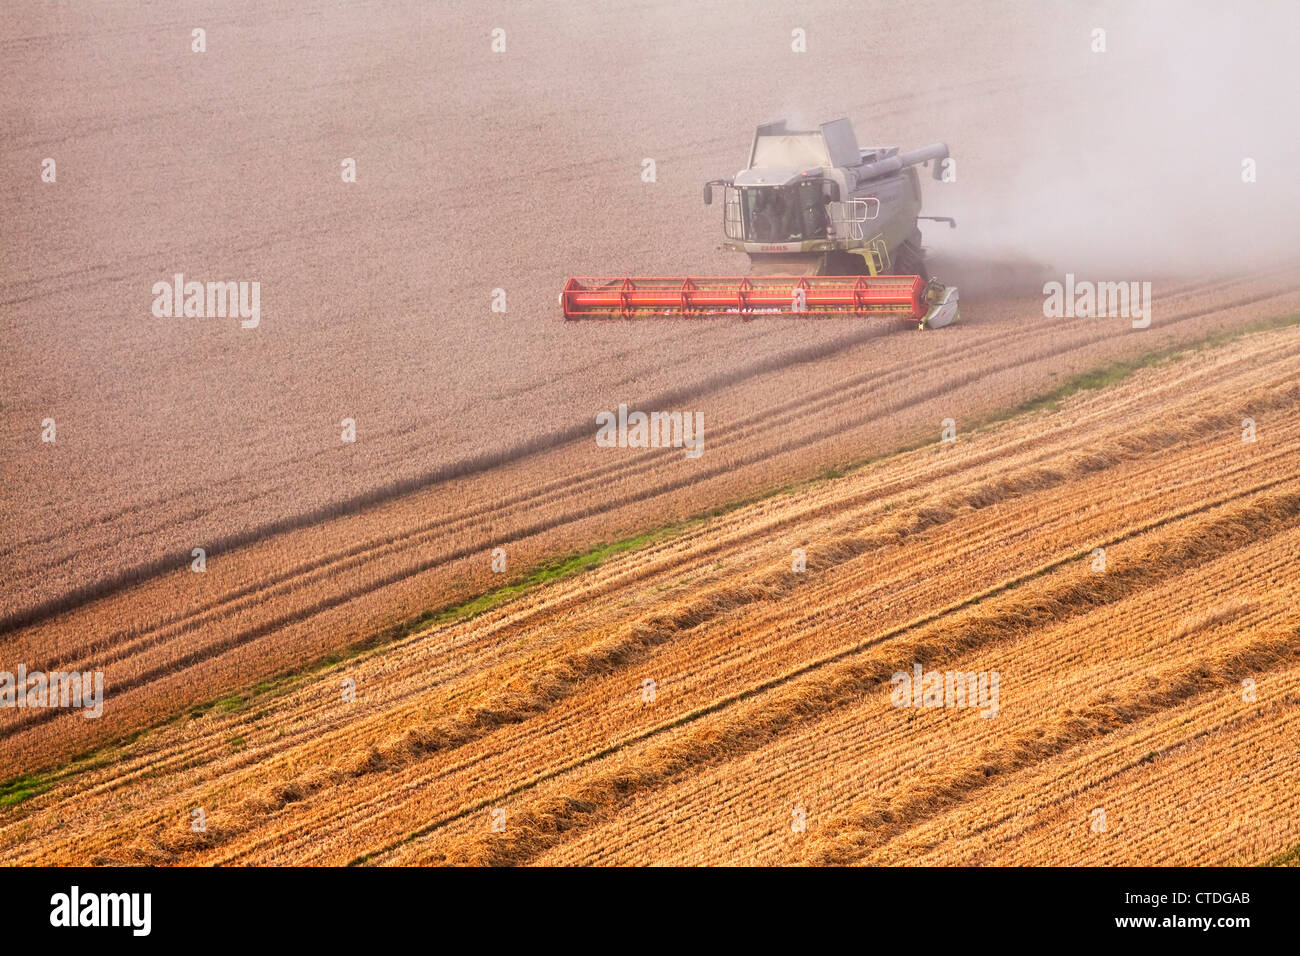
[(525, 735)]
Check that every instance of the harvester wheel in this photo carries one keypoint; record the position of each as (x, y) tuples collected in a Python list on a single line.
[(839, 263), (910, 262)]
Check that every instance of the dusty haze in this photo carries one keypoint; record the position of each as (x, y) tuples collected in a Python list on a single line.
[(1134, 167)]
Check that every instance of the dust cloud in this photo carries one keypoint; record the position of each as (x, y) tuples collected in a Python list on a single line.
[(1133, 165)]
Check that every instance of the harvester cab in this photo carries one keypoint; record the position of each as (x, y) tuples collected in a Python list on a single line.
[(828, 226)]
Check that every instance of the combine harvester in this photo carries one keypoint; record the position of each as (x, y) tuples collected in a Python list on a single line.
[(800, 210)]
